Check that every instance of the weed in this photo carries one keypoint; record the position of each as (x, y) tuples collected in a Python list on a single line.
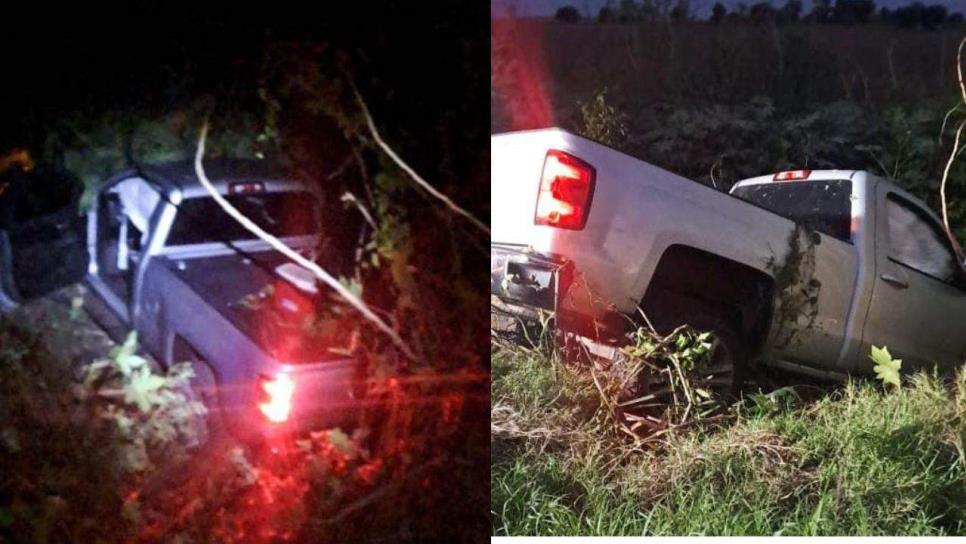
[(856, 461)]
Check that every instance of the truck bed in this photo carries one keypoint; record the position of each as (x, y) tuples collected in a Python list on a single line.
[(229, 284), (638, 211)]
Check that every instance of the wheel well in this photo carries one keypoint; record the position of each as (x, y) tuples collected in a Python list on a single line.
[(688, 280)]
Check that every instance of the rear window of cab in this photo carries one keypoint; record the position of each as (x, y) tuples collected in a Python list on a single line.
[(201, 220), (824, 205)]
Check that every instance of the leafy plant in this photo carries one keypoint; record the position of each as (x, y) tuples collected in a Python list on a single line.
[(152, 411), (853, 461), (886, 368), (601, 121), (671, 363)]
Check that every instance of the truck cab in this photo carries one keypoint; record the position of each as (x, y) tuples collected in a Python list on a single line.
[(909, 286), (163, 211)]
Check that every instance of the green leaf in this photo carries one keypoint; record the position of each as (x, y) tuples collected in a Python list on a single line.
[(76, 306), (128, 348), (341, 441), (886, 368), (124, 357), (134, 457), (143, 389), (131, 511), (352, 285), (247, 473), (129, 363), (6, 518), (10, 439)]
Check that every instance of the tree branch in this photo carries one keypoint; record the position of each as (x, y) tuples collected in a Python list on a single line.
[(942, 185), (959, 69), (412, 173), (280, 246), (955, 151)]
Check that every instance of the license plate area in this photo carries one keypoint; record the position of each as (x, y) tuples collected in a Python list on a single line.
[(524, 278)]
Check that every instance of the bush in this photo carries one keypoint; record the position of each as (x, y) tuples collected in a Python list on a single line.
[(602, 122)]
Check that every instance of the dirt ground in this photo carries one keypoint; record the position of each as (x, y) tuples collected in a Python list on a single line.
[(67, 325)]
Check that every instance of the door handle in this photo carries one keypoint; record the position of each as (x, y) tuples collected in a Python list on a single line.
[(894, 280)]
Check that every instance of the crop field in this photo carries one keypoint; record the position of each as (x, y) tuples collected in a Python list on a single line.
[(718, 103)]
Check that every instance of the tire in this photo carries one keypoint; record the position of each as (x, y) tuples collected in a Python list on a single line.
[(726, 361), (732, 349)]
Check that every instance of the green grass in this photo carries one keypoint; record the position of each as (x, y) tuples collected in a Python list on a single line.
[(860, 460)]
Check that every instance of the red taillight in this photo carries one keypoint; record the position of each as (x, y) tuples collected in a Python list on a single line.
[(792, 175), (566, 189), (275, 396)]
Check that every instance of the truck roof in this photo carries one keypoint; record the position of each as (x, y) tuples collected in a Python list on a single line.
[(812, 175), (180, 176)]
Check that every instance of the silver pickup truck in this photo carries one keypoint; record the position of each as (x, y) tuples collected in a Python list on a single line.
[(803, 270), (167, 262)]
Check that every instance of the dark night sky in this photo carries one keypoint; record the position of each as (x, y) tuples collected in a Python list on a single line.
[(90, 60), (701, 7), (79, 58)]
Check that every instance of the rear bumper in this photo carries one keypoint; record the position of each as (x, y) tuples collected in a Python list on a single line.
[(532, 286), (529, 279)]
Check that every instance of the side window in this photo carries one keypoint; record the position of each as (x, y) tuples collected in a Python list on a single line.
[(917, 242)]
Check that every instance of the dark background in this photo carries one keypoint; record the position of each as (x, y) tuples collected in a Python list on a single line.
[(423, 69), (427, 62)]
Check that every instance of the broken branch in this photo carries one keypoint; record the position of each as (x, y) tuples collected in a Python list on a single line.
[(955, 151), (280, 246), (412, 173)]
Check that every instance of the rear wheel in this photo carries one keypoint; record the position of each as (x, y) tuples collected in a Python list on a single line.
[(663, 395)]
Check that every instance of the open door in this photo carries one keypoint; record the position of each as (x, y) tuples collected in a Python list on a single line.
[(42, 235)]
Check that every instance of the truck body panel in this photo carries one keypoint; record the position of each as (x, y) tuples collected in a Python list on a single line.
[(171, 265), (638, 211)]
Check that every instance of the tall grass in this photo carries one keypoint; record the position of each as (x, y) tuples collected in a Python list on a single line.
[(857, 461)]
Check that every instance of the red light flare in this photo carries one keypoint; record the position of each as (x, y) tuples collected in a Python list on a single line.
[(520, 78), (277, 392)]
